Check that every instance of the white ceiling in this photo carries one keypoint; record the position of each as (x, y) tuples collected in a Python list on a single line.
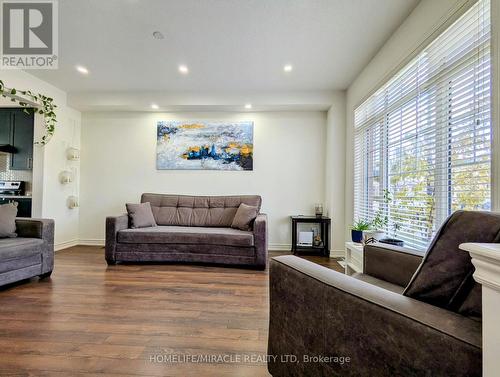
[(235, 46)]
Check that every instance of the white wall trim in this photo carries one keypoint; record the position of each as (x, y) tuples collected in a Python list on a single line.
[(337, 253), (279, 247), (486, 260), (66, 244), (91, 242)]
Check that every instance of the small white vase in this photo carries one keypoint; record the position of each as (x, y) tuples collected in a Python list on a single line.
[(376, 234)]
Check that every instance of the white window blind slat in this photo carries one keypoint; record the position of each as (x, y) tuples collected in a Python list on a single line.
[(422, 145)]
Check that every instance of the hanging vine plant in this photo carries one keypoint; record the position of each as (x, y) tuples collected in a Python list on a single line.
[(46, 107)]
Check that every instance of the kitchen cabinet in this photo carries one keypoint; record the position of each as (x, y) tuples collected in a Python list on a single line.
[(22, 139), (17, 129), (23, 207), (5, 126)]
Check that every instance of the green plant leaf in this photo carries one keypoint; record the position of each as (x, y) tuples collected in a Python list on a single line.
[(47, 110)]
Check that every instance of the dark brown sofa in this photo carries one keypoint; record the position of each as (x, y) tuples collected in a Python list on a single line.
[(190, 229), (374, 318)]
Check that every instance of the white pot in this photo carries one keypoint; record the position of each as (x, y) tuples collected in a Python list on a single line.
[(377, 234)]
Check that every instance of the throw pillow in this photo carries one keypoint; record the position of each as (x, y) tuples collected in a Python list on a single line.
[(244, 217), (444, 278), (8, 213), (140, 215)]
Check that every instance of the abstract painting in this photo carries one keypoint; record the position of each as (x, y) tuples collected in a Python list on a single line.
[(204, 145)]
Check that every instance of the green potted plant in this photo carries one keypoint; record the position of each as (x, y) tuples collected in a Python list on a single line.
[(394, 240), (358, 228), (377, 226)]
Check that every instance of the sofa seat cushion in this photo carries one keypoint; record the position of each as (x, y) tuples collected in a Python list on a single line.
[(19, 247), (187, 235)]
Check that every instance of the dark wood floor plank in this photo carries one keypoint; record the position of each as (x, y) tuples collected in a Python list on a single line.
[(94, 320)]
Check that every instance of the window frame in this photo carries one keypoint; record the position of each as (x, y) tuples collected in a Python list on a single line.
[(442, 176)]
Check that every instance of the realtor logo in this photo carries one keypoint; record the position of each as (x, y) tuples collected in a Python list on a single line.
[(29, 34)]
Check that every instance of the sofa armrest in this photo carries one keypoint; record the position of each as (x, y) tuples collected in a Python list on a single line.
[(316, 311), (260, 240), (35, 228), (113, 225), (43, 229), (393, 264)]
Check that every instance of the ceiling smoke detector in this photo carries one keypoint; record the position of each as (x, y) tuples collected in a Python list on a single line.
[(158, 35)]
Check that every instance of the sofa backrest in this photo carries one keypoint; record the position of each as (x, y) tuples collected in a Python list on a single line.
[(184, 210)]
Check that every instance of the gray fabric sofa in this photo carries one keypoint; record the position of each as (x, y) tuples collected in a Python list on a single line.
[(190, 229), (30, 254), (373, 317), (316, 311)]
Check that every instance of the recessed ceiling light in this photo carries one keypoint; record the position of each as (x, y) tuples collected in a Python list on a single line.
[(183, 69), (158, 35), (154, 106), (248, 106), (288, 68), (82, 69)]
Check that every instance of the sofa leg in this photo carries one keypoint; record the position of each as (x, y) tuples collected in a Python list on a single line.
[(110, 262), (45, 275)]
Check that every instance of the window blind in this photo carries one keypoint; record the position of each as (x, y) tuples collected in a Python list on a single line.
[(422, 142)]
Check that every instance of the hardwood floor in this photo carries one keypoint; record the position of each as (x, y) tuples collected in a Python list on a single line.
[(126, 320)]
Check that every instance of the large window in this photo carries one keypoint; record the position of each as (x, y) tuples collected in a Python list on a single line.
[(423, 140)]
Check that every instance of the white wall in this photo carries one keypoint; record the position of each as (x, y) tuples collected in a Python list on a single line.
[(49, 196), (118, 164), (335, 171), (427, 19)]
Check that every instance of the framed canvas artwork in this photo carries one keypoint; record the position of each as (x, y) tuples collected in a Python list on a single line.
[(204, 145)]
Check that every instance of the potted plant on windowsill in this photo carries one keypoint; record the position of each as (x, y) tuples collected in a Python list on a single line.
[(394, 240), (388, 200), (357, 230), (375, 231)]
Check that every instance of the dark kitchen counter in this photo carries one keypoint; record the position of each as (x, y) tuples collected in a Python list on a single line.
[(14, 196)]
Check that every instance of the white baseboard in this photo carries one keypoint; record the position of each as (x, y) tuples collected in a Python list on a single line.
[(66, 244), (279, 247), (337, 253), (91, 242)]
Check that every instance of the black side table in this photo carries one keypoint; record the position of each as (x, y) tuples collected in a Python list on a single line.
[(324, 231)]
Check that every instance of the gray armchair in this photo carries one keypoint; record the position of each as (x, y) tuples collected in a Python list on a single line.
[(30, 254), (319, 312), (397, 318)]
